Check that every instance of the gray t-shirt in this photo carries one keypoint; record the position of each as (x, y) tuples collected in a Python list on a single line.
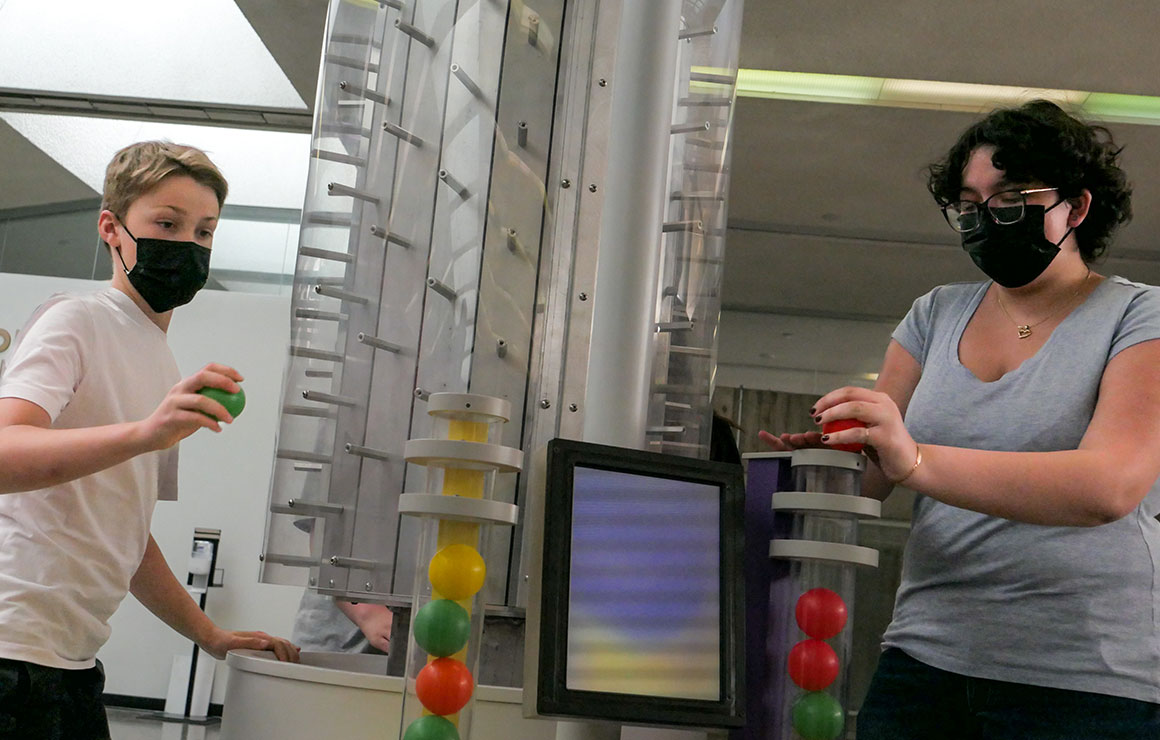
[(1065, 607)]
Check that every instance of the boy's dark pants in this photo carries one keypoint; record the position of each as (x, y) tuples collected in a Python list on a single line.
[(51, 703)]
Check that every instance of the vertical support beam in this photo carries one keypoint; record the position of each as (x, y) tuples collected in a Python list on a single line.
[(630, 231)]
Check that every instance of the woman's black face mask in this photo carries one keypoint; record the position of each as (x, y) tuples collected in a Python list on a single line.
[(168, 273), (1013, 254)]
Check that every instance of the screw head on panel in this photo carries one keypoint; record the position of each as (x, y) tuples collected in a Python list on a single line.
[(573, 407), (592, 188), (261, 558), (313, 581), (332, 583), (583, 296), (602, 82), (367, 586), (545, 404), (565, 183)]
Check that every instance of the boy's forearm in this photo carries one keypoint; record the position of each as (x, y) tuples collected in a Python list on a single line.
[(158, 589), (32, 458)]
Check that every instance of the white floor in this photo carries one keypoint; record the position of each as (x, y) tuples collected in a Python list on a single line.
[(137, 724)]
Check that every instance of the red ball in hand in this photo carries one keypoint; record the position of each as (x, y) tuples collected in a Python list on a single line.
[(839, 425), (444, 686), (813, 665), (821, 613)]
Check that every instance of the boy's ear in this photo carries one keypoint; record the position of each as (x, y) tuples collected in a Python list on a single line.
[(107, 228)]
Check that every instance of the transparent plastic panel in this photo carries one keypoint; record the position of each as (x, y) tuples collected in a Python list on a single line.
[(827, 479), (417, 266), (693, 235), (446, 628), (813, 666)]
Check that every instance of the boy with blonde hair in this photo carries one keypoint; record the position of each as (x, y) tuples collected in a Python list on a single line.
[(92, 407)]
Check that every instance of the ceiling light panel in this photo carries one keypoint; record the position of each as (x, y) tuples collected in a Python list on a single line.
[(203, 51)]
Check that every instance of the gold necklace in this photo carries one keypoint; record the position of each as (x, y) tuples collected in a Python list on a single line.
[(1025, 329)]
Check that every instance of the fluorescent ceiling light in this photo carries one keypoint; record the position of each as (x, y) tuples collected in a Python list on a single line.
[(264, 168), (203, 51), (953, 96)]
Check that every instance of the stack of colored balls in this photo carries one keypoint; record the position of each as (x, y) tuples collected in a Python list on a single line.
[(442, 628), (813, 664)]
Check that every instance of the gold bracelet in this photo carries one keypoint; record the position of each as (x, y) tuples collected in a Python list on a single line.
[(917, 462)]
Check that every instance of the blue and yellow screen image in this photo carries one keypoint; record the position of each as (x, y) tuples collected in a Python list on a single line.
[(644, 602)]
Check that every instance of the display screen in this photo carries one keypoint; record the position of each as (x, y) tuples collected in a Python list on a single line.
[(644, 594)]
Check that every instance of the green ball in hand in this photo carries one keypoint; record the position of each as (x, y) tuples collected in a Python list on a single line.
[(234, 402)]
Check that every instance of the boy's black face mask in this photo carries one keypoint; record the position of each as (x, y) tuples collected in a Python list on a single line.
[(168, 273), (1013, 254)]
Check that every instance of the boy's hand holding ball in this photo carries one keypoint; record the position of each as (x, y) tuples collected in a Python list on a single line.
[(234, 402)]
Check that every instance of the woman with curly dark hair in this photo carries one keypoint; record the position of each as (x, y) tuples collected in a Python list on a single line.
[(1023, 410)]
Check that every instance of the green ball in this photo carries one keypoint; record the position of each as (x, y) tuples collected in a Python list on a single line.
[(234, 402), (818, 716), (431, 727), (442, 627)]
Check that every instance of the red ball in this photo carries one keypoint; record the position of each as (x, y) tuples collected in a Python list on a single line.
[(836, 426), (821, 613), (813, 665), (444, 686)]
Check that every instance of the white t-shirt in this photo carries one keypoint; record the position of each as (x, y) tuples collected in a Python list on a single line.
[(67, 552)]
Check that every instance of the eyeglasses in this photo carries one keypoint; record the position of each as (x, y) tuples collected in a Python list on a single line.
[(1006, 208)]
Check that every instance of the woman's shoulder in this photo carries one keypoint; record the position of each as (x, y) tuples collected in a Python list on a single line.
[(951, 295)]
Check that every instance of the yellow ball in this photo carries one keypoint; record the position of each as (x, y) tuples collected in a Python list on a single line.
[(457, 572)]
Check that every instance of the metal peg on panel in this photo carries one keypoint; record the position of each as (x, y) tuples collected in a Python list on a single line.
[(370, 95), (326, 254), (715, 101), (311, 353), (442, 288), (712, 78), (501, 347), (390, 236), (667, 326), (351, 63), (402, 133), (422, 394), (522, 134), (454, 184), (378, 343), (316, 314), (330, 398), (534, 30), (415, 33), (513, 241), (303, 455), (338, 189), (343, 295), (338, 157), (366, 452), (689, 128), (469, 83), (691, 33), (671, 226)]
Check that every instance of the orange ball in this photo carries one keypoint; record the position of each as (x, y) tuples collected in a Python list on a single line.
[(444, 686)]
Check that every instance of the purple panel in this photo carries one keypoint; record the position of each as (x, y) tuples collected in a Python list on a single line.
[(767, 585)]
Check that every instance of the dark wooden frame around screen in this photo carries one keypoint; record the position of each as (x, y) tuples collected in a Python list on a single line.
[(554, 698)]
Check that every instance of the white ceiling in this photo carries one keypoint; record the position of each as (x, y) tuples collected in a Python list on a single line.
[(829, 214)]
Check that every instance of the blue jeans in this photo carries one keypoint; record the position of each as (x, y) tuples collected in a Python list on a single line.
[(51, 703), (909, 700)]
